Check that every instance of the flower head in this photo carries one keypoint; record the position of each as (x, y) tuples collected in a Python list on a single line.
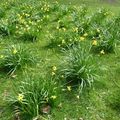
[(102, 52), (94, 42), (75, 29), (69, 88), (53, 97), (85, 35), (78, 97), (82, 38), (54, 68), (98, 30), (62, 76), (20, 97), (57, 27), (64, 29), (63, 41), (1, 56), (14, 51), (53, 73)]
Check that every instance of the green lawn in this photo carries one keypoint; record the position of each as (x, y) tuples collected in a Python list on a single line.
[(94, 4), (100, 102)]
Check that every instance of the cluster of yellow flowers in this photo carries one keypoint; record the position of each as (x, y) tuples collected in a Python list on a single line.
[(14, 51), (75, 29), (20, 97), (82, 38), (27, 24), (61, 29), (45, 8), (95, 43), (54, 68)]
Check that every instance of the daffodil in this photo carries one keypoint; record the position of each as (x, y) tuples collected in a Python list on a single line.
[(20, 97), (14, 51), (75, 29), (1, 56), (102, 52), (82, 38), (62, 76), (56, 2), (98, 30), (78, 97), (53, 97), (85, 35), (16, 27), (63, 41), (69, 88), (53, 73), (57, 27), (54, 68), (64, 29), (94, 42)]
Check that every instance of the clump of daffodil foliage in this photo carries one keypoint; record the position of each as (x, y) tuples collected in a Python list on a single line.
[(32, 95), (15, 57), (78, 66)]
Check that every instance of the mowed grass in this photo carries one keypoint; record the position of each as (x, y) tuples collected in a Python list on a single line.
[(99, 102)]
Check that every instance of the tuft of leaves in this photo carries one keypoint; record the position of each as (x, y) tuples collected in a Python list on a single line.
[(15, 57), (78, 66), (33, 95)]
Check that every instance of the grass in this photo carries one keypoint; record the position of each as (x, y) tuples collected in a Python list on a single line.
[(94, 4), (94, 103)]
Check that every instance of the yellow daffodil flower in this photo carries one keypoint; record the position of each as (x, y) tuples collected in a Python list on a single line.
[(63, 41), (64, 29), (102, 52), (1, 56), (94, 42), (75, 29), (53, 73), (20, 97), (57, 27), (69, 88), (82, 38), (54, 68), (53, 97), (62, 76), (59, 45), (98, 30), (85, 35), (14, 51), (78, 97)]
